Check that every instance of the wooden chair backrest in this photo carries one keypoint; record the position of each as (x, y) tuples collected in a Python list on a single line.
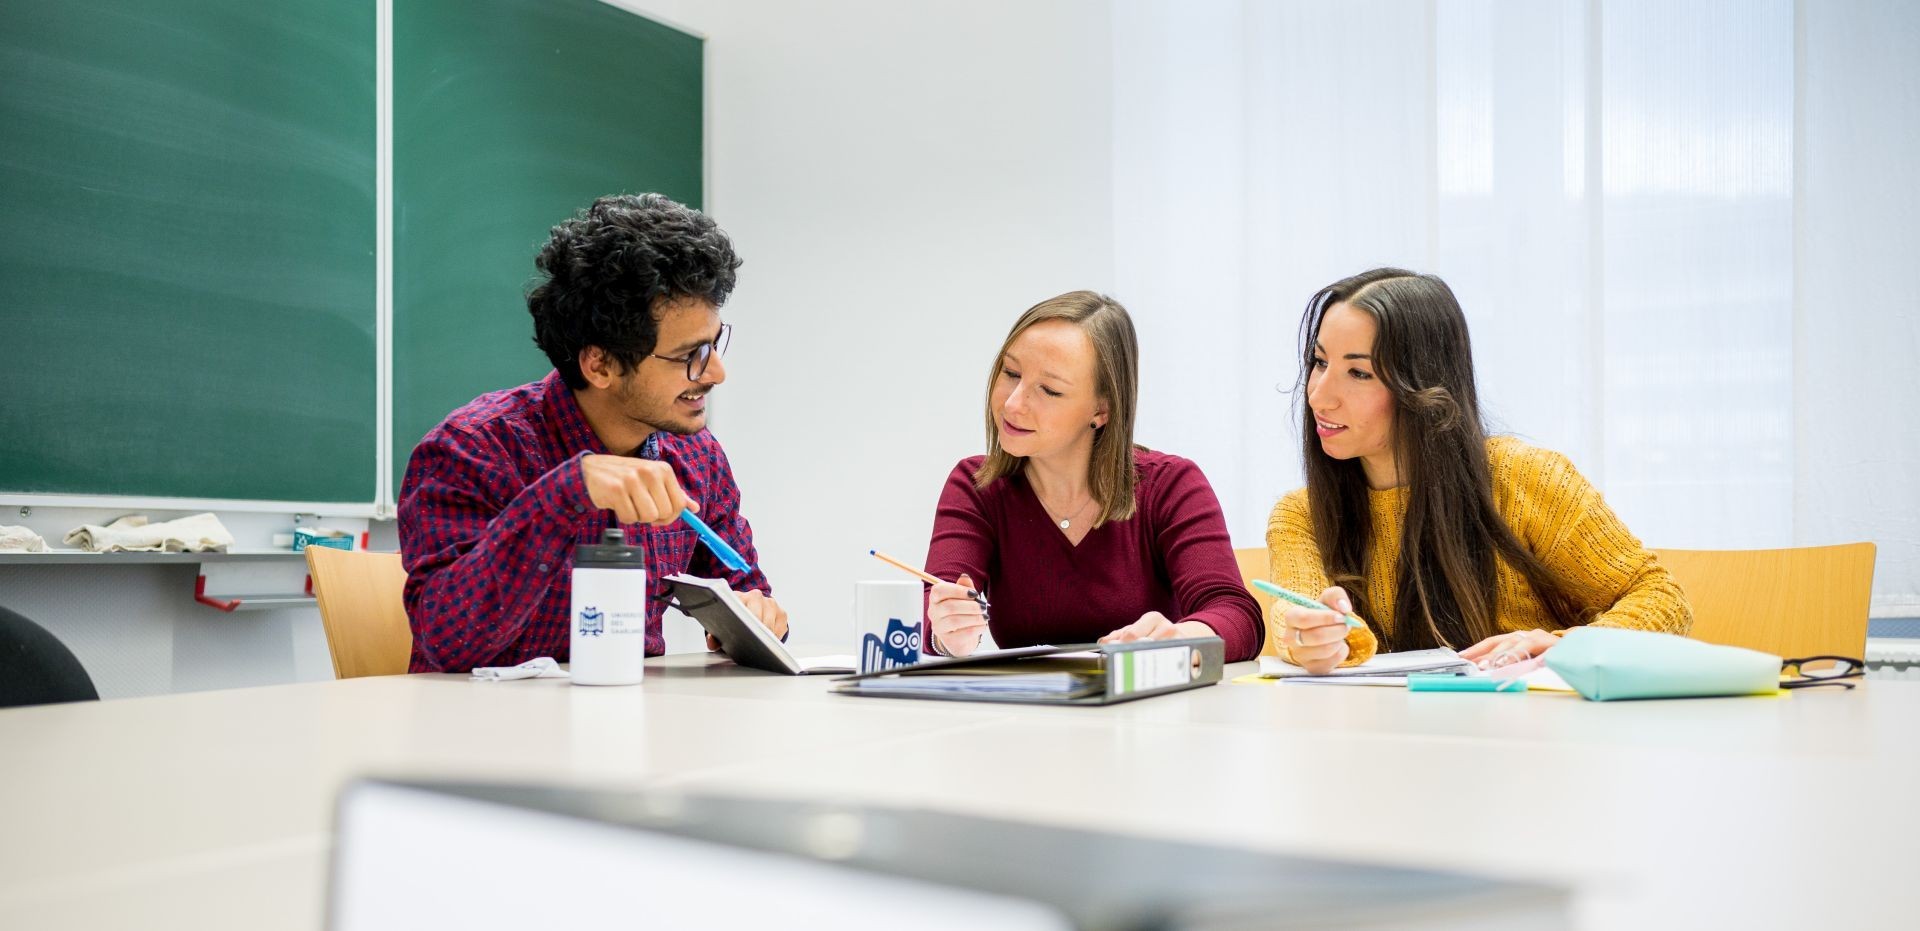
[(1253, 565), (362, 609), (1805, 601)]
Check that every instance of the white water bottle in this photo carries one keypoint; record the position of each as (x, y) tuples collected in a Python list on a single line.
[(609, 635)]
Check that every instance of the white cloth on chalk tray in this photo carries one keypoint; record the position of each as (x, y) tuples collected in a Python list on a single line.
[(20, 540), (197, 534)]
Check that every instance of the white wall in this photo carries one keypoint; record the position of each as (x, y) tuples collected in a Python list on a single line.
[(902, 180), (138, 631), (1857, 336)]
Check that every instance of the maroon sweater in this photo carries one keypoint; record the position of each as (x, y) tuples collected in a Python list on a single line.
[(1172, 556)]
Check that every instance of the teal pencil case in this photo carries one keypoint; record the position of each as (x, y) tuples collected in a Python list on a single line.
[(1608, 664)]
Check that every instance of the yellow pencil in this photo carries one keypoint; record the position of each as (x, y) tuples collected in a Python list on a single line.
[(889, 560)]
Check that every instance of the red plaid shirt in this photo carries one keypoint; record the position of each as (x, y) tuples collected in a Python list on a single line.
[(492, 505)]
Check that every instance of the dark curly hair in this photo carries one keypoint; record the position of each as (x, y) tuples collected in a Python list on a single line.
[(605, 270)]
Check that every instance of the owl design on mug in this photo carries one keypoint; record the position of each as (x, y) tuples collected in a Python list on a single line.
[(901, 647)]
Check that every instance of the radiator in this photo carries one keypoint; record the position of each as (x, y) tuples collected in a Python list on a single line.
[(1893, 658)]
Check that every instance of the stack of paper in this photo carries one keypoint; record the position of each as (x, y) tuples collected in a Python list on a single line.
[(1390, 670), (1384, 664), (1033, 685)]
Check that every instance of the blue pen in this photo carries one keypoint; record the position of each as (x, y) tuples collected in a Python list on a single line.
[(1298, 599), (729, 557)]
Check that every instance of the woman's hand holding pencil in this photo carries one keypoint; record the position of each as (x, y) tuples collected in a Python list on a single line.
[(957, 612), (956, 616)]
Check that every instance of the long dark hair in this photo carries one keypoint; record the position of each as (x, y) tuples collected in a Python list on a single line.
[(1452, 538)]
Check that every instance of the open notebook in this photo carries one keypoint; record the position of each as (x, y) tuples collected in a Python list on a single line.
[(747, 641), (1390, 670), (1383, 664)]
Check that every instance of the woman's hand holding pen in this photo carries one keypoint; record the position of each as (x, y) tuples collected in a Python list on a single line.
[(955, 614), (1316, 640)]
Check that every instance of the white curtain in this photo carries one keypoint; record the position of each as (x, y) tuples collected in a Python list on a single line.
[(1682, 232)]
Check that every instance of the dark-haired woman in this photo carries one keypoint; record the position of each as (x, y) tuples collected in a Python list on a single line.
[(1435, 533), (1075, 533)]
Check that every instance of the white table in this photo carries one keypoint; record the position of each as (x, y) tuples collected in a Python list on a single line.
[(213, 810)]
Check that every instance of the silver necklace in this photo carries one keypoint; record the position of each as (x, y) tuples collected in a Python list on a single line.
[(1067, 521)]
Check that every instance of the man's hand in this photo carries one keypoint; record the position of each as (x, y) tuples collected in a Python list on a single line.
[(762, 607), (637, 491)]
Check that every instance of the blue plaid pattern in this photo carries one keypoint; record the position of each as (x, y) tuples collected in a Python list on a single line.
[(492, 505)]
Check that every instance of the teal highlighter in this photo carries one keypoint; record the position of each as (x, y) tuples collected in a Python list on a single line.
[(1451, 683), (1295, 598)]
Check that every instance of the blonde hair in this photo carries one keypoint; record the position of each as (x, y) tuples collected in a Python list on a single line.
[(1111, 474)]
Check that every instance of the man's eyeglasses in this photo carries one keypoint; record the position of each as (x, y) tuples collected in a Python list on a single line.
[(696, 361), (1812, 671)]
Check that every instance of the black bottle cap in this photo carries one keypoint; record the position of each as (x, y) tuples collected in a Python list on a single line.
[(612, 552)]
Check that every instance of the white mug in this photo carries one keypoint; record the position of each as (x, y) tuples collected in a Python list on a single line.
[(886, 623)]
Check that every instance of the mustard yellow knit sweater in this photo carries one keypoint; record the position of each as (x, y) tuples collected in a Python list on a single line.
[(1556, 514)]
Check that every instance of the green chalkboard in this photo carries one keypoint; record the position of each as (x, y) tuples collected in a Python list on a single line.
[(509, 115), (187, 236)]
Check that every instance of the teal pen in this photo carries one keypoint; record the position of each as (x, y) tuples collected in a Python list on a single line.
[(1301, 600), (1453, 683), (729, 557)]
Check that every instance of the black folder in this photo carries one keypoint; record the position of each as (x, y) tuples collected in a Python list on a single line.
[(1080, 674)]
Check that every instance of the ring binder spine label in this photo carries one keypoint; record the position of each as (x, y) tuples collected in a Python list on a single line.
[(1145, 670)]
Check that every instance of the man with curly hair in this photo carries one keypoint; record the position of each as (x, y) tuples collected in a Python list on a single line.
[(498, 494)]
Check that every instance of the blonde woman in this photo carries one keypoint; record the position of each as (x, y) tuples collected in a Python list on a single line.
[(1072, 531)]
